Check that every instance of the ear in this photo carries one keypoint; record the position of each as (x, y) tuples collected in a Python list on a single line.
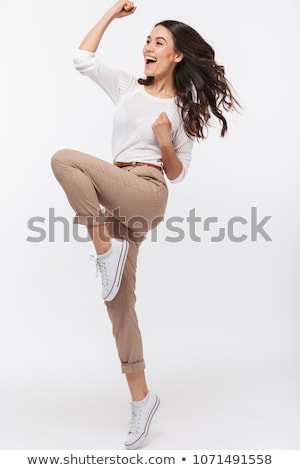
[(178, 57)]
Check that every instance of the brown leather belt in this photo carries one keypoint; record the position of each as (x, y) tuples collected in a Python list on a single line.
[(122, 164)]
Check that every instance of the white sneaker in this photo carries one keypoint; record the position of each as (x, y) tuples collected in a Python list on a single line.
[(140, 421), (111, 265)]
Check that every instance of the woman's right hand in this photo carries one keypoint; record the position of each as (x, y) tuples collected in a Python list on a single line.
[(123, 8)]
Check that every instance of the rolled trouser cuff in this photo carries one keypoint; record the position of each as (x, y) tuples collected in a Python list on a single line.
[(90, 219), (134, 367)]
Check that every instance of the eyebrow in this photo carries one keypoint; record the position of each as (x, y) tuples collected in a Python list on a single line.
[(158, 37)]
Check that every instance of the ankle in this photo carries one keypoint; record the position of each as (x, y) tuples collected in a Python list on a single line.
[(139, 396), (103, 248)]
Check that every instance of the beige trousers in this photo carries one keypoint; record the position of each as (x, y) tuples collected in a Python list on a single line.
[(133, 201)]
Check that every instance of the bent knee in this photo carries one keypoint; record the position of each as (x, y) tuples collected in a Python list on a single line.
[(59, 158)]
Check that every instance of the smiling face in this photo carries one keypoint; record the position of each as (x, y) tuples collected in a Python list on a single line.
[(160, 55)]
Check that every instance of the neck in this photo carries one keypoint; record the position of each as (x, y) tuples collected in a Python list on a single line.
[(163, 88)]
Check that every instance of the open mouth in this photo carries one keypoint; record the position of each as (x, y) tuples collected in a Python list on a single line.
[(150, 60)]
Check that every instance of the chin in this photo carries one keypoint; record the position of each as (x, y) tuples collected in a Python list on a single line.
[(146, 72), (147, 75)]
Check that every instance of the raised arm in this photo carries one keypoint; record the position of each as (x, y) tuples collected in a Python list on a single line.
[(119, 10)]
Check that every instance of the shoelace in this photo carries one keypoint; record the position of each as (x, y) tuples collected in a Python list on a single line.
[(100, 268), (135, 419)]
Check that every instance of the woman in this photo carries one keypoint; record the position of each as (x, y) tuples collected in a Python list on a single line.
[(156, 122)]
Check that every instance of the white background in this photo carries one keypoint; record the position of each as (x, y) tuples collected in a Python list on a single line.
[(220, 321)]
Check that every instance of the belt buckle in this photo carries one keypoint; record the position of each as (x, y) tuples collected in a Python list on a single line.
[(134, 164)]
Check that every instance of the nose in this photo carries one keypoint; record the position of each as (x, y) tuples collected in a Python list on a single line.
[(149, 47)]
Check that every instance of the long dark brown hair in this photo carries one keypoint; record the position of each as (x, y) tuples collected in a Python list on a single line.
[(200, 82)]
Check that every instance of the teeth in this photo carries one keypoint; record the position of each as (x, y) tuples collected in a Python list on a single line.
[(152, 59)]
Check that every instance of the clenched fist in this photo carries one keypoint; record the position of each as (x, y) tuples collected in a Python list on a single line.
[(123, 8), (162, 129)]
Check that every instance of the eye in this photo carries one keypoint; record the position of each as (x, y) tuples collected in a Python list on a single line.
[(159, 43), (148, 41)]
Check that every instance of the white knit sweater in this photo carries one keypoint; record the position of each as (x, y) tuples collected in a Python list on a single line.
[(136, 110)]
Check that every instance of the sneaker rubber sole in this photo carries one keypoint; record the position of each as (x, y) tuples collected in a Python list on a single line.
[(119, 273)]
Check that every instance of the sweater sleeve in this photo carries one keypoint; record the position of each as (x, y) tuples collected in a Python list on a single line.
[(113, 82)]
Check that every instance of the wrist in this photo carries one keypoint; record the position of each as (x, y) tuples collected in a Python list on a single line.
[(165, 143), (111, 14)]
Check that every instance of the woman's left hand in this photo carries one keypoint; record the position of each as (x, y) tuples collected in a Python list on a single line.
[(162, 129)]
